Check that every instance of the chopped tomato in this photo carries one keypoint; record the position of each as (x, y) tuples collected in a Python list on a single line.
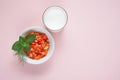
[(40, 46)]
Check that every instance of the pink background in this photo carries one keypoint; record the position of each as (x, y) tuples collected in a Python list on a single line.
[(87, 49)]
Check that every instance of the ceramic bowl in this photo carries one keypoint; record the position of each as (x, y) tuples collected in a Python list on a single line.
[(51, 41)]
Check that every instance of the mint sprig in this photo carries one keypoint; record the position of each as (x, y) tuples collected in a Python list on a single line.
[(23, 44)]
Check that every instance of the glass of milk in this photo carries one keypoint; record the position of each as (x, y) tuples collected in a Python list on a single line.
[(55, 18)]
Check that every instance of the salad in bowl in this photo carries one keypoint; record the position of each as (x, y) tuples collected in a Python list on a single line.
[(35, 45)]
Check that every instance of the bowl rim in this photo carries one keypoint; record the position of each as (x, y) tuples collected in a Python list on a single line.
[(51, 40)]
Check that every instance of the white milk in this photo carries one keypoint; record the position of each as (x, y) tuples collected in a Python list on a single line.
[(55, 18)]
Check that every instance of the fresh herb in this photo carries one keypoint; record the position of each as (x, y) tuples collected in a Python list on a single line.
[(22, 45)]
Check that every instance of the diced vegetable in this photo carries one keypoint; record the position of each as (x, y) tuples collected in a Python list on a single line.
[(39, 47)]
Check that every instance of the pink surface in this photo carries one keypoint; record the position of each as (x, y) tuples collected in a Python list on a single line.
[(87, 49)]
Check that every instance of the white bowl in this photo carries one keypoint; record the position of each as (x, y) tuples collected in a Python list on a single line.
[(51, 40)]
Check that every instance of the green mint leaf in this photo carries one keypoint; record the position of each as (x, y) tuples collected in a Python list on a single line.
[(30, 38), (22, 41), (27, 47), (23, 44), (17, 46)]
